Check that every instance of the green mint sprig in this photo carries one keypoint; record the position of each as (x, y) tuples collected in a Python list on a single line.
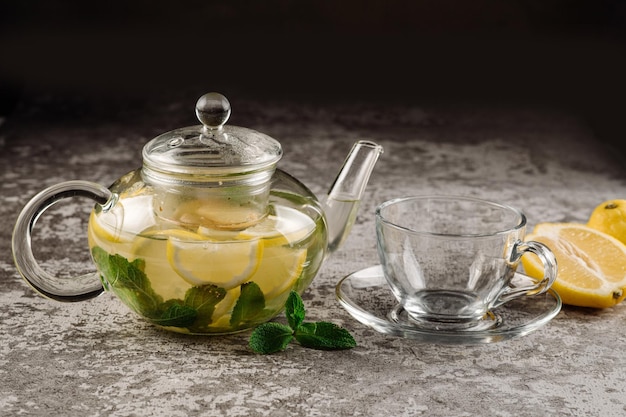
[(131, 284), (273, 337)]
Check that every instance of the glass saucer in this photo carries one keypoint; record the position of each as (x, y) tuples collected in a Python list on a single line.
[(366, 296)]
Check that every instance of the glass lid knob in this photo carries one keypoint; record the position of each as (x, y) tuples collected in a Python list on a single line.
[(213, 110), (213, 151)]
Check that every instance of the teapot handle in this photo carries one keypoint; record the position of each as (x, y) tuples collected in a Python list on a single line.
[(60, 289)]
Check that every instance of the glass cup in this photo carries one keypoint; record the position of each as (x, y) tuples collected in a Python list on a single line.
[(449, 260)]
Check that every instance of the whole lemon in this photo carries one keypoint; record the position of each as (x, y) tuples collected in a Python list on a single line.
[(610, 218)]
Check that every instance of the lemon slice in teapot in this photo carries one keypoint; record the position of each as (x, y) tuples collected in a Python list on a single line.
[(279, 271), (284, 226), (200, 261)]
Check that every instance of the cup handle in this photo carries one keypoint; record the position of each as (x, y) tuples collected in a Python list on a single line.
[(549, 270), (60, 289)]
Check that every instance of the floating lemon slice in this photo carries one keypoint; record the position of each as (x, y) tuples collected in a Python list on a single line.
[(279, 270), (592, 264), (151, 246), (103, 234), (285, 226), (223, 309), (108, 236), (200, 261), (116, 229), (282, 261)]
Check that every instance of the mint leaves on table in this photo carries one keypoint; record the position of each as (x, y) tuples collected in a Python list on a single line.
[(272, 337)]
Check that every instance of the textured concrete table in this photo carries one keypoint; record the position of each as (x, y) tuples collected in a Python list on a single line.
[(95, 358)]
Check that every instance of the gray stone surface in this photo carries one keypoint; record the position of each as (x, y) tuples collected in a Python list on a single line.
[(95, 358)]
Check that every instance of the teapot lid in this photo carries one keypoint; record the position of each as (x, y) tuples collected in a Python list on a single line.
[(211, 150)]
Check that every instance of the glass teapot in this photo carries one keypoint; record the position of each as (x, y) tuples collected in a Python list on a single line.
[(208, 236)]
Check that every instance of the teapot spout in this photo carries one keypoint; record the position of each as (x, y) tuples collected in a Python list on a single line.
[(342, 202)]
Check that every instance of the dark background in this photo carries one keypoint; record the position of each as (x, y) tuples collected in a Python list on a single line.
[(564, 53)]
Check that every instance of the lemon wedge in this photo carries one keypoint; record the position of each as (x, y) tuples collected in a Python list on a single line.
[(200, 261), (592, 264)]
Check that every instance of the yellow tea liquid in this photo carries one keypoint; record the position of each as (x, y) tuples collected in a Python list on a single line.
[(229, 279)]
